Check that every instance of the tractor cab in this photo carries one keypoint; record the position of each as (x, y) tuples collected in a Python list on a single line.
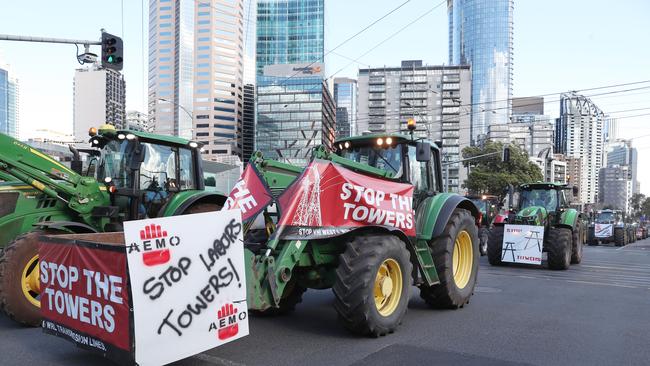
[(397, 157), (538, 200), (142, 171)]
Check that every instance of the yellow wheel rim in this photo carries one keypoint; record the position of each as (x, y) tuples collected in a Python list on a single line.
[(30, 282), (388, 287), (463, 258)]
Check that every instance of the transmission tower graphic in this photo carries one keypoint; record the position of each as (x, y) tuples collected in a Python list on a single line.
[(308, 212)]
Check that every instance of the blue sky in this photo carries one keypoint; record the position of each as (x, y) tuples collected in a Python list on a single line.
[(559, 45)]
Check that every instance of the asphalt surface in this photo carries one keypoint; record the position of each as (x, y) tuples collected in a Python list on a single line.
[(596, 313)]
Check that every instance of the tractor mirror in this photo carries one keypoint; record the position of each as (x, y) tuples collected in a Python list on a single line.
[(575, 190), (137, 155), (422, 151)]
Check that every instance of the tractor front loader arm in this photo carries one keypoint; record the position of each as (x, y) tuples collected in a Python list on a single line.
[(49, 176)]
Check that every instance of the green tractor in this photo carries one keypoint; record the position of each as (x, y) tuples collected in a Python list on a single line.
[(489, 207), (370, 267), (542, 205), (610, 226), (138, 175)]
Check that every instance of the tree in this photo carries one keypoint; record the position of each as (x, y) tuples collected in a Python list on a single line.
[(490, 175), (636, 201)]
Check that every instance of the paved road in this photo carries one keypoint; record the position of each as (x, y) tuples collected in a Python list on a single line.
[(596, 313)]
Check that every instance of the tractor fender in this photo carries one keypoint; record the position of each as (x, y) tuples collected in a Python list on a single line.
[(569, 219), (184, 200), (436, 211), (70, 226)]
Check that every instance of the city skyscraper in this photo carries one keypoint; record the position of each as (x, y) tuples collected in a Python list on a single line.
[(345, 99), (481, 35), (196, 54), (99, 98), (171, 66), (389, 96), (9, 102), (290, 32), (579, 134), (295, 110)]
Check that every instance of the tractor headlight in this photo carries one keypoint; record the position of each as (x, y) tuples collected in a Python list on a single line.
[(347, 145), (121, 136), (380, 141), (130, 136)]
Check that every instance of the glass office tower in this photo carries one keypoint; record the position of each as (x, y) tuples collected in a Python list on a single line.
[(345, 98), (289, 31), (480, 35)]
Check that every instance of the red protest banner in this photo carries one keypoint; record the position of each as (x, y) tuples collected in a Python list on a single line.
[(250, 194), (328, 200), (84, 295)]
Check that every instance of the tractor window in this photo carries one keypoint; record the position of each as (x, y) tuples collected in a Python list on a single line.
[(388, 159), (158, 171), (187, 169), (539, 197), (418, 172), (114, 159), (605, 218)]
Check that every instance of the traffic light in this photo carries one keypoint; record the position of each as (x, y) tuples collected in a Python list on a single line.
[(506, 154), (112, 51)]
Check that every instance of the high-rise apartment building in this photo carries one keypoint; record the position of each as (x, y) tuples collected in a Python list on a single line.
[(250, 47), (290, 32), (615, 187), (294, 114), (345, 98), (579, 134), (9, 102), (620, 152), (481, 35), (99, 98), (434, 96)]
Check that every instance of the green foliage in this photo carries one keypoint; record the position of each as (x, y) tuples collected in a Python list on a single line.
[(636, 201), (490, 175)]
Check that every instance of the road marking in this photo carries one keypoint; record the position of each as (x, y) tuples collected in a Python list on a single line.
[(214, 360), (600, 283)]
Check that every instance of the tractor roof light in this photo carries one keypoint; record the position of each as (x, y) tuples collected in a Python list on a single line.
[(121, 136), (347, 145), (193, 144), (130, 136), (340, 146), (389, 140), (380, 141), (108, 180), (92, 132), (410, 124), (94, 141)]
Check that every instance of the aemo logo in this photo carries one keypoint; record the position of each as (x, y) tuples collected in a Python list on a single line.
[(227, 321), (155, 244)]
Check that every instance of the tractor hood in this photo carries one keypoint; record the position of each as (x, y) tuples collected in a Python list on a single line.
[(533, 215)]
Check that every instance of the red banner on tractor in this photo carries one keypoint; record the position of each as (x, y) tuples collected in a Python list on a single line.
[(327, 200), (250, 194), (84, 295)]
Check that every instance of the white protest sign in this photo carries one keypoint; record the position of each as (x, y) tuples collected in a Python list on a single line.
[(603, 230), (522, 244), (188, 284)]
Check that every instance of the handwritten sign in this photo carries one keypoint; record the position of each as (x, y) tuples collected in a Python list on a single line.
[(188, 284), (84, 296), (522, 244)]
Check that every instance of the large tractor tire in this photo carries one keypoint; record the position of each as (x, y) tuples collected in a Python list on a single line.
[(484, 236), (577, 235), (495, 244), (19, 279), (619, 237), (591, 237), (372, 284), (558, 247), (202, 207), (291, 297), (455, 254)]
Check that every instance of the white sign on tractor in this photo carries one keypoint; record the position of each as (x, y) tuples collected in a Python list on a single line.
[(603, 230), (522, 244), (188, 284)]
